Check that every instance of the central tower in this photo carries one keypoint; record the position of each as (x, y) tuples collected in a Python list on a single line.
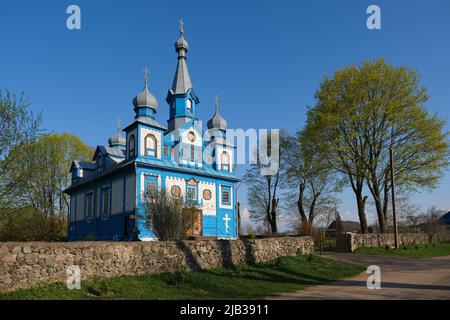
[(181, 96)]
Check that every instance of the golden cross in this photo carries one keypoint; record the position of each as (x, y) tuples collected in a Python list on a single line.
[(146, 73), (181, 26)]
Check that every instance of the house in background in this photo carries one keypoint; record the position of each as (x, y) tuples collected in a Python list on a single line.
[(347, 226), (106, 194), (445, 220)]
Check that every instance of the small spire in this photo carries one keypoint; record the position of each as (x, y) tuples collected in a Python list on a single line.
[(146, 73), (117, 125), (216, 103), (181, 26)]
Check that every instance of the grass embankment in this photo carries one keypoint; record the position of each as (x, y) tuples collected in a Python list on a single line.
[(239, 282), (413, 251)]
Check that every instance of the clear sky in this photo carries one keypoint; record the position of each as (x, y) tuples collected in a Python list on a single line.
[(264, 59)]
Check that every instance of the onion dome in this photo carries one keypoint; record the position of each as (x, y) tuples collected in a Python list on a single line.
[(145, 99), (217, 121), (181, 45)]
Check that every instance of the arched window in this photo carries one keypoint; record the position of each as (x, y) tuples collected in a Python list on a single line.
[(151, 145), (225, 160), (132, 146)]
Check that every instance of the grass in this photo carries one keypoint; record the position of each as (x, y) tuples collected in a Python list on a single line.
[(413, 251), (240, 282)]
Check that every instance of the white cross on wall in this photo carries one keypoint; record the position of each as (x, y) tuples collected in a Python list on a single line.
[(226, 219)]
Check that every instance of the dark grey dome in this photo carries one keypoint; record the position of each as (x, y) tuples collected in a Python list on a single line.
[(217, 121), (181, 43), (117, 140), (145, 99)]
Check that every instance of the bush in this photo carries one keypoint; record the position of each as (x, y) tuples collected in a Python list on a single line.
[(28, 224), (250, 233), (387, 248), (168, 216)]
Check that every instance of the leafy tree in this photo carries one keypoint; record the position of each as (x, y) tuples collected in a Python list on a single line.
[(308, 174), (366, 110), (52, 155), (18, 127)]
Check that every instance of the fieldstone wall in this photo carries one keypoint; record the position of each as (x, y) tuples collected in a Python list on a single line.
[(25, 264), (349, 242)]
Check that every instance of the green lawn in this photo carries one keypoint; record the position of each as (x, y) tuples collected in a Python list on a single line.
[(240, 282), (415, 251)]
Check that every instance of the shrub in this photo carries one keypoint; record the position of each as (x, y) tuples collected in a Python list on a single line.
[(387, 248), (168, 216)]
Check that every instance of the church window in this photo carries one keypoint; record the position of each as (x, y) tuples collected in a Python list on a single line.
[(172, 153), (165, 150), (191, 193), (151, 145), (132, 146), (150, 185), (89, 205), (226, 195), (189, 106), (105, 202), (225, 161)]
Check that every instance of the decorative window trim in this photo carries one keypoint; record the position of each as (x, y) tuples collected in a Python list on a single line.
[(192, 187), (226, 189), (151, 151), (150, 179), (225, 165)]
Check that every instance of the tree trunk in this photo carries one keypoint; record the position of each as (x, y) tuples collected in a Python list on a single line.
[(301, 209), (361, 203), (273, 216), (381, 215)]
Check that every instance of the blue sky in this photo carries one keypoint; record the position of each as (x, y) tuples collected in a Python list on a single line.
[(264, 59)]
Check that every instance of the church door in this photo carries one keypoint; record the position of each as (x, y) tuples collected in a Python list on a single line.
[(197, 228)]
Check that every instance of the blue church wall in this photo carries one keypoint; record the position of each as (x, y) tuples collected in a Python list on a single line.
[(108, 224), (211, 224)]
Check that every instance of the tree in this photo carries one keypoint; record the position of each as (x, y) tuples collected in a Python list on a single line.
[(18, 127), (263, 188), (364, 111), (308, 174), (332, 127), (168, 216), (52, 155)]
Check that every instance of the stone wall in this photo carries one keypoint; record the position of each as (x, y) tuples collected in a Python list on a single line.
[(349, 242), (27, 263)]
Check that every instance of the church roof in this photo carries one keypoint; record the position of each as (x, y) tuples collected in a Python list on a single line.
[(148, 121), (80, 164), (167, 164), (217, 121), (117, 140), (181, 81), (145, 99)]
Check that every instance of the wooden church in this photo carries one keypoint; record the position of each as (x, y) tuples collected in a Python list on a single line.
[(106, 193)]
